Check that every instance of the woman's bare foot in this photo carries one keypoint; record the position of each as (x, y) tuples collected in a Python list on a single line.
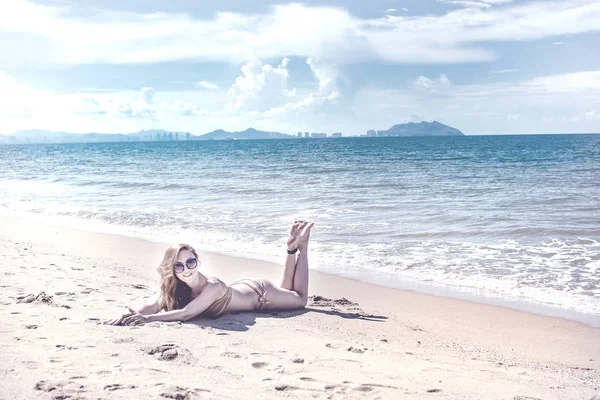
[(299, 235)]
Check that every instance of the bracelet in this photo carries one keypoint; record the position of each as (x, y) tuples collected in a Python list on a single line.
[(292, 251)]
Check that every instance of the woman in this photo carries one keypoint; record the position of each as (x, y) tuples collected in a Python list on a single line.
[(186, 293)]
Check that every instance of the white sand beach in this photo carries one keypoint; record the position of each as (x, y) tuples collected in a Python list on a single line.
[(354, 340)]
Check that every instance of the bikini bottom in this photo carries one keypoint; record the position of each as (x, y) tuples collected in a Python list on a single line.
[(260, 288)]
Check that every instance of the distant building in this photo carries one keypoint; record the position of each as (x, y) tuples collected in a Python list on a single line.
[(187, 136), (306, 134), (318, 135), (371, 132), (176, 136), (299, 134), (336, 134), (381, 133), (157, 137)]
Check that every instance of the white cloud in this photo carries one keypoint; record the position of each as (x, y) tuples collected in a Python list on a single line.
[(89, 105), (260, 87), (504, 71), (263, 89), (467, 3), (284, 30), (390, 10), (142, 107), (557, 43), (476, 4), (437, 84), (327, 92), (592, 115), (148, 94), (513, 117), (186, 109), (578, 81), (207, 85)]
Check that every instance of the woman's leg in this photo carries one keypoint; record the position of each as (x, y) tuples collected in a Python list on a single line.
[(284, 299), (288, 272), (295, 292), (301, 275)]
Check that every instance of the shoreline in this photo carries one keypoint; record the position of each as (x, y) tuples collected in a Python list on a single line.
[(354, 339), (320, 281), (379, 280)]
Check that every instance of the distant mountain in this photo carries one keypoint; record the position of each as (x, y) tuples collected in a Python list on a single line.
[(42, 136), (249, 133), (423, 129)]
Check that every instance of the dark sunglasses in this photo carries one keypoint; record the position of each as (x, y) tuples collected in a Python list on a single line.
[(191, 263)]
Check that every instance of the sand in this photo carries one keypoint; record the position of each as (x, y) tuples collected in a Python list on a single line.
[(354, 340)]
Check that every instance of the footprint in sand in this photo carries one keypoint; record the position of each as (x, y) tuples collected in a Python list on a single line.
[(60, 389), (282, 388), (178, 392), (357, 350), (167, 352), (138, 286), (41, 297), (231, 354), (118, 386), (342, 304), (527, 398), (104, 372), (123, 340), (260, 364)]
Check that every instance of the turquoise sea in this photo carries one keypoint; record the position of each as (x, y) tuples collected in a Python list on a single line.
[(508, 219)]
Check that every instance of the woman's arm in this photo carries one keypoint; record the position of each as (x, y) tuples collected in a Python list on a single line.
[(148, 308), (211, 293)]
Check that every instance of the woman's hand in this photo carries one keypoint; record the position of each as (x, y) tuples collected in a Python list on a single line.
[(135, 318), (119, 321)]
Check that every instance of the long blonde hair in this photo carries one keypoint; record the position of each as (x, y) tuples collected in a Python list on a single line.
[(174, 294)]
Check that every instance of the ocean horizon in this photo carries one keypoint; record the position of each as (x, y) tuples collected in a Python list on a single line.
[(499, 218)]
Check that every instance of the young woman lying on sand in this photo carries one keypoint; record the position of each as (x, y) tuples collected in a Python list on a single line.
[(186, 293)]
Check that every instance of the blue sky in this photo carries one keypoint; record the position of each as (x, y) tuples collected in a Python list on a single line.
[(482, 66)]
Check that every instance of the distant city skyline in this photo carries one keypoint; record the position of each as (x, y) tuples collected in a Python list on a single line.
[(422, 128), (483, 66)]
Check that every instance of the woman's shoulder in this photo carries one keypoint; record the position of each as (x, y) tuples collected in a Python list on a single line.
[(216, 283), (213, 280)]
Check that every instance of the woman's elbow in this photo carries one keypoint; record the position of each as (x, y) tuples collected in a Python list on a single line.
[(187, 315)]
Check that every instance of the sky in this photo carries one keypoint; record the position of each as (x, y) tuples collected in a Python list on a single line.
[(481, 66)]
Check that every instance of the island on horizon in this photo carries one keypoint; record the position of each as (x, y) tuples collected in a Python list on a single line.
[(33, 136)]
